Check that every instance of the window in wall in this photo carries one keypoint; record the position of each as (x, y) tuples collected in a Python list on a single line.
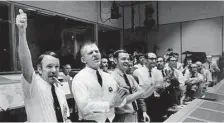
[(109, 40), (5, 63), (56, 33)]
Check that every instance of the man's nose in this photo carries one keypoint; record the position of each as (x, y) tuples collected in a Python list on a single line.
[(53, 70)]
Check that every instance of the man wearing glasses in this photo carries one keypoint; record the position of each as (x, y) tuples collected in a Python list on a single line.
[(149, 74)]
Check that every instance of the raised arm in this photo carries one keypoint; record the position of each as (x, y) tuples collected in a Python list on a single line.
[(23, 49)]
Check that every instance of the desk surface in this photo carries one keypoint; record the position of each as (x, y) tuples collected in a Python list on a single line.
[(203, 110)]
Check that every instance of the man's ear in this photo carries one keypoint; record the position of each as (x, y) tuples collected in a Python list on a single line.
[(83, 60), (115, 60), (39, 68)]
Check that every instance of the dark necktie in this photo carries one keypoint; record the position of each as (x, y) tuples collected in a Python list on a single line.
[(163, 73), (99, 78), (130, 91), (56, 105), (193, 75), (150, 74)]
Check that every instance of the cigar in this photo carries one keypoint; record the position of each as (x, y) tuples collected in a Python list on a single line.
[(58, 81)]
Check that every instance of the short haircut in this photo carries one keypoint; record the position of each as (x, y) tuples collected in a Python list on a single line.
[(88, 42), (116, 53), (139, 54), (168, 59), (146, 55), (188, 58), (176, 53), (50, 53), (66, 64), (161, 57), (170, 49)]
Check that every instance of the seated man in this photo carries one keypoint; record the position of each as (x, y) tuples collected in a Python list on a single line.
[(65, 74), (206, 74), (177, 81), (193, 82), (212, 67)]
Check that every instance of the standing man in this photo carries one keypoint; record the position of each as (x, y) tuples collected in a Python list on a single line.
[(44, 101), (96, 92), (128, 113), (149, 74)]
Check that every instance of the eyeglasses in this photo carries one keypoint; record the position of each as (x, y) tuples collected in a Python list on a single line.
[(152, 58), (173, 60), (159, 61)]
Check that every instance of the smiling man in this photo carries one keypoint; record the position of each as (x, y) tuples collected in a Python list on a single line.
[(128, 113), (96, 92), (44, 101), (151, 75)]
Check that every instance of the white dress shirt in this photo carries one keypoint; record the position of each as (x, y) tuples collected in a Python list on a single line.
[(39, 102), (144, 77), (92, 99), (156, 78)]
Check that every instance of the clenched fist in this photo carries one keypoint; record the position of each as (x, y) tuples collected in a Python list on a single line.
[(21, 20)]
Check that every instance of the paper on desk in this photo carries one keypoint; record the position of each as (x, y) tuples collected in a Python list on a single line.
[(65, 88), (4, 103)]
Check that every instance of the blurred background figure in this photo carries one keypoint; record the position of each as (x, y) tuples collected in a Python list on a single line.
[(212, 67), (168, 52), (140, 57), (111, 62), (104, 65)]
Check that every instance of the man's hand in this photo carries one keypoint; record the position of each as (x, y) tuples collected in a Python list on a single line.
[(21, 20), (119, 97), (146, 117)]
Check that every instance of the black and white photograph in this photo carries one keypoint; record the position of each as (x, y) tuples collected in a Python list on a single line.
[(111, 61)]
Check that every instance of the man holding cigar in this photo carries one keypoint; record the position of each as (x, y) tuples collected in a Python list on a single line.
[(96, 92), (44, 101)]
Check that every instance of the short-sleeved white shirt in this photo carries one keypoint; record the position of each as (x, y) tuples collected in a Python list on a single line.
[(39, 100)]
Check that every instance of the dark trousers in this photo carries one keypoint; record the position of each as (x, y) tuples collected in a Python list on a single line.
[(157, 106)]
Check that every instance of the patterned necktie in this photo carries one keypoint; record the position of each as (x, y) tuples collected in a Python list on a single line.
[(130, 91), (99, 78), (56, 105)]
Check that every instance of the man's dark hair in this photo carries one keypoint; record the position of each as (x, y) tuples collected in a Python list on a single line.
[(171, 56), (175, 53), (139, 55), (170, 49), (161, 57), (116, 53), (50, 53)]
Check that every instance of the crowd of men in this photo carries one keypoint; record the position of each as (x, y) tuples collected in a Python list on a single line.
[(121, 88)]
